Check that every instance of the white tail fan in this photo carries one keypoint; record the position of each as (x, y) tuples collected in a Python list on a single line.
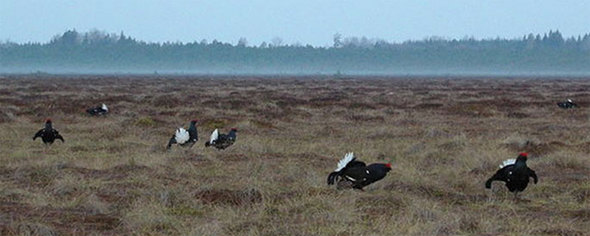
[(507, 162), (569, 100), (181, 136), (104, 107), (214, 136), (344, 161)]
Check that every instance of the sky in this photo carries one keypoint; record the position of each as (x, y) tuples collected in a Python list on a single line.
[(294, 21)]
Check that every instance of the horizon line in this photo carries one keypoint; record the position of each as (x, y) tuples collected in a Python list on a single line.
[(374, 39)]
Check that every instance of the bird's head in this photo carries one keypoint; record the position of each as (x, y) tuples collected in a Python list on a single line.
[(48, 120), (194, 121), (522, 156), (386, 167), (234, 129), (388, 164)]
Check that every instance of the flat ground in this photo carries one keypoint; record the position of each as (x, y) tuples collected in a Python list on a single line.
[(446, 136)]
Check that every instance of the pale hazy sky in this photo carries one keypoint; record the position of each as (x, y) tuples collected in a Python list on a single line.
[(302, 21)]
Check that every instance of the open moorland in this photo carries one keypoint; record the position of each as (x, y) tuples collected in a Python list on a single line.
[(445, 136)]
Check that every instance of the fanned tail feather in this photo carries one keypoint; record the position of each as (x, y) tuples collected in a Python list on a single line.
[(181, 136), (214, 137), (344, 161), (507, 162)]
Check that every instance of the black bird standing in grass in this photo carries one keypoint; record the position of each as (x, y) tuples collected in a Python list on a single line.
[(567, 104), (184, 137), (98, 111), (222, 141), (515, 173), (356, 174), (48, 134)]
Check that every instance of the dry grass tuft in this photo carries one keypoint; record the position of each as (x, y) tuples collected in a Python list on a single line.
[(231, 197), (445, 137)]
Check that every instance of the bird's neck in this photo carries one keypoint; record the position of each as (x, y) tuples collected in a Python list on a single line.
[(192, 127), (520, 165)]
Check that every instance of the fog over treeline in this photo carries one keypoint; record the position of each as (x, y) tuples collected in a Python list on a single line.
[(100, 52)]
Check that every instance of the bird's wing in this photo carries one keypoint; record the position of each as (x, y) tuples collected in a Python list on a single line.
[(344, 161), (172, 141), (181, 136), (38, 134), (332, 177), (500, 175), (507, 162), (533, 174), (357, 174), (355, 164), (214, 136), (193, 134), (58, 136)]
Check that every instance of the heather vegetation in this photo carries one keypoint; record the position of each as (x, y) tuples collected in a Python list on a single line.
[(445, 136)]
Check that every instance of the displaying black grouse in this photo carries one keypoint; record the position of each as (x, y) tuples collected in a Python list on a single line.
[(98, 111), (222, 141), (184, 137), (356, 174), (48, 134), (567, 104), (515, 173)]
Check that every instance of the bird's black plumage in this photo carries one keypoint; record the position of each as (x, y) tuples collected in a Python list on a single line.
[(193, 136), (357, 174), (222, 141), (48, 134), (567, 104), (98, 111), (515, 175)]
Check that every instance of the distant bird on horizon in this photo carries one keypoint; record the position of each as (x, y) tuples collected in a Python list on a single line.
[(98, 111), (48, 134), (356, 174), (515, 173), (222, 141), (184, 137), (567, 104)]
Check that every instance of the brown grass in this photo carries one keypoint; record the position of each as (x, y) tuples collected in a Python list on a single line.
[(445, 135)]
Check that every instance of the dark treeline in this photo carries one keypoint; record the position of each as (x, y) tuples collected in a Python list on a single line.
[(98, 52)]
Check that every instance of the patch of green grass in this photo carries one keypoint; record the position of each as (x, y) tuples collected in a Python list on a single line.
[(145, 122)]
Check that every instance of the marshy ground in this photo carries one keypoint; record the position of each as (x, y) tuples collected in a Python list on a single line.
[(446, 136)]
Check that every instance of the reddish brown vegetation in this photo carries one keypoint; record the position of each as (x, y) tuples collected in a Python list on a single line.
[(444, 135)]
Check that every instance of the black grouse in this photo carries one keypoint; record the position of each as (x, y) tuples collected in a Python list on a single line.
[(567, 104), (222, 141), (48, 134), (184, 137), (98, 111), (356, 174), (515, 173)]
